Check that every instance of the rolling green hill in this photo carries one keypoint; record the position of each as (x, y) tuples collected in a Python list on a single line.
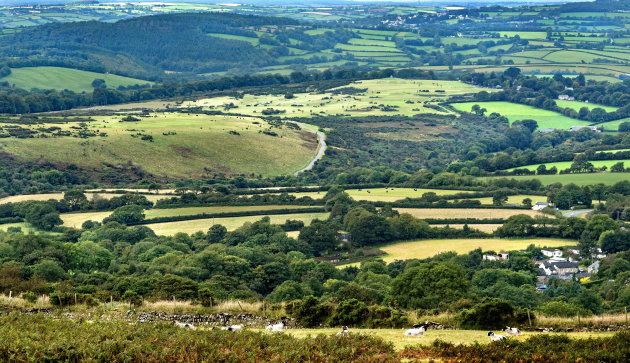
[(170, 145)]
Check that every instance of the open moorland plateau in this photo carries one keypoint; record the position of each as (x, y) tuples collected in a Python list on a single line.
[(373, 182)]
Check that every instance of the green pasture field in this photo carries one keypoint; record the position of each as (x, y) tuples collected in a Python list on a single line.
[(429, 248), (577, 105), (613, 151), (571, 56), (613, 125), (578, 179), (514, 111), (562, 165), (26, 228), (199, 143), (76, 219), (372, 43), (588, 77), (387, 92), (478, 213), (524, 35), (400, 341), (251, 40), (610, 70), (231, 223), (64, 78), (384, 55), (370, 49)]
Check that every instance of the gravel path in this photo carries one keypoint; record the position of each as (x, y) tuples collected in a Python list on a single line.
[(320, 152)]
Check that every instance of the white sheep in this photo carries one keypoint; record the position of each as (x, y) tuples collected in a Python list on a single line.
[(495, 337), (275, 327), (417, 331), (185, 325), (344, 331), (232, 328), (512, 332)]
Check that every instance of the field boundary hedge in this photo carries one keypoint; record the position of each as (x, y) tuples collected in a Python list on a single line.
[(229, 214)]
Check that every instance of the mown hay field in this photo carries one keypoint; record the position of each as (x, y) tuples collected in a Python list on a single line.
[(382, 194), (477, 213), (488, 228), (183, 146), (515, 199), (429, 248), (77, 219), (231, 223)]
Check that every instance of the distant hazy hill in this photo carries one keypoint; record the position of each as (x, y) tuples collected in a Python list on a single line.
[(143, 46)]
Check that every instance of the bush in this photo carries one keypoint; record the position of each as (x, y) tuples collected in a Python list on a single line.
[(349, 312), (309, 312), (562, 309), (29, 297), (490, 313)]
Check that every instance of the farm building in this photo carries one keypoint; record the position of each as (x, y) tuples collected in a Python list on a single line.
[(578, 128), (541, 206), (566, 98)]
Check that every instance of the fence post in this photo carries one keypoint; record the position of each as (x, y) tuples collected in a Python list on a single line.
[(625, 309), (529, 318)]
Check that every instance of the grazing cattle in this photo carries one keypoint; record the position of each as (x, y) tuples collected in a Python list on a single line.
[(344, 331), (495, 337), (512, 332), (417, 331), (275, 327), (185, 325)]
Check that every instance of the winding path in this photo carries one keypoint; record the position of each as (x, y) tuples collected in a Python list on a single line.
[(320, 153)]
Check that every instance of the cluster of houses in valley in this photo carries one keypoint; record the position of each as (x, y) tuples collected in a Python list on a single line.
[(556, 263)]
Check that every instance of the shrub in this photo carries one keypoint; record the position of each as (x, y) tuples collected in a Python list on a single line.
[(30, 297), (562, 309), (490, 313), (310, 312), (349, 312)]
